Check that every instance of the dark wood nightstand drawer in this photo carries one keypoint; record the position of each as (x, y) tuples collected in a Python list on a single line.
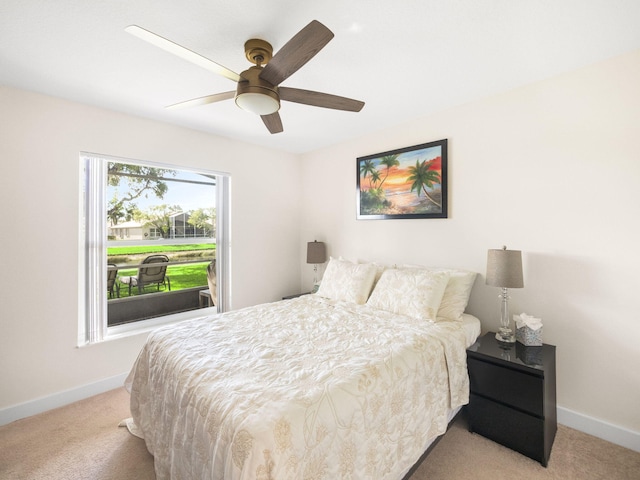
[(507, 426), (513, 395), (511, 387)]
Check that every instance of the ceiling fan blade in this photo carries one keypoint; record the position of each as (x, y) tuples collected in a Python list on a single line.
[(182, 52), (218, 97), (273, 122), (319, 99), (296, 52)]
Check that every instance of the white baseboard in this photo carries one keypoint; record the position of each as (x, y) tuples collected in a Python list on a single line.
[(598, 428), (39, 405)]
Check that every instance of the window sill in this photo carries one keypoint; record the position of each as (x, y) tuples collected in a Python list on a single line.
[(145, 326)]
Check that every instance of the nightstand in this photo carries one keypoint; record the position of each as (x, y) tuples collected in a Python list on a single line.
[(289, 297), (204, 298), (513, 395)]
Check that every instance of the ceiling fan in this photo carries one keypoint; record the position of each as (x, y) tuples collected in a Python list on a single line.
[(258, 89)]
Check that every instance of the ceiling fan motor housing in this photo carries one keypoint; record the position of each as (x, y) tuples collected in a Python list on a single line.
[(256, 95), (257, 51)]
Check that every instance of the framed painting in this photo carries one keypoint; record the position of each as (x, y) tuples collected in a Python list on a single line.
[(410, 182)]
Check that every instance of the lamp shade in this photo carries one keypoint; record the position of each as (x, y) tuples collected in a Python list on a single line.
[(504, 268), (316, 252)]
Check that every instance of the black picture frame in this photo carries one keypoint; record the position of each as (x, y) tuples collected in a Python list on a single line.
[(405, 183)]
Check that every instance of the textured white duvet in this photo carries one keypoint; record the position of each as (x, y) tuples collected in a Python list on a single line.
[(301, 389)]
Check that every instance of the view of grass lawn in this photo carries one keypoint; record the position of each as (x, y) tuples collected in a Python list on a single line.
[(181, 276), (142, 249)]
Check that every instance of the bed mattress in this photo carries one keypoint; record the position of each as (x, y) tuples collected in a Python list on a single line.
[(308, 388)]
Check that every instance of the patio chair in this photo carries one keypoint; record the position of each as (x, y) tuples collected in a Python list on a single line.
[(154, 274), (112, 275), (212, 281)]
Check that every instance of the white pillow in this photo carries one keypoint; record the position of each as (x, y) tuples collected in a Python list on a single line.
[(347, 281), (456, 295), (379, 269), (412, 292)]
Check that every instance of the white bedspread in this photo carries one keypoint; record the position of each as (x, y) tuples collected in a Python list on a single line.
[(300, 389)]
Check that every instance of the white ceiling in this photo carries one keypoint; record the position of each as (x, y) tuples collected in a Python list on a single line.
[(404, 58)]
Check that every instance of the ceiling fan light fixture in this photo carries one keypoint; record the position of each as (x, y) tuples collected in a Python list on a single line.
[(255, 95), (258, 103)]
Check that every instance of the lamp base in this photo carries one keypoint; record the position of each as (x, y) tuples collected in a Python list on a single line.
[(505, 335)]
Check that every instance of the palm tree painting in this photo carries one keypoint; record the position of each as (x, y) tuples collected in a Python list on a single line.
[(405, 183)]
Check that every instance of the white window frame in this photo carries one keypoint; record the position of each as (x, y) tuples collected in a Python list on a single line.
[(92, 272)]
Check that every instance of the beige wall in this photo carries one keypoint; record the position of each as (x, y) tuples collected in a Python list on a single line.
[(39, 198), (552, 169)]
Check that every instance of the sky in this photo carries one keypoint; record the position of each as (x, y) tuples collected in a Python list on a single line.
[(187, 195)]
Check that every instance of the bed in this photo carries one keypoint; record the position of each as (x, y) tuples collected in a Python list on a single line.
[(354, 382)]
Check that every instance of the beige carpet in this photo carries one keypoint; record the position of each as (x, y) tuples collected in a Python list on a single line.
[(83, 441)]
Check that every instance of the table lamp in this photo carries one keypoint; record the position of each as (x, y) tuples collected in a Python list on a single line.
[(504, 270), (316, 254)]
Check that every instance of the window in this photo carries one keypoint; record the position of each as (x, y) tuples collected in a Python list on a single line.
[(150, 233)]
